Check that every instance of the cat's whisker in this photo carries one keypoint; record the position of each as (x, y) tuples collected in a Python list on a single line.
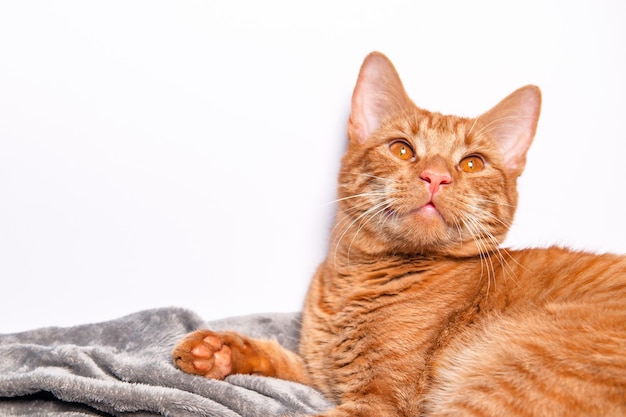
[(495, 202), (355, 210), (486, 215), (484, 264), (351, 197), (460, 225), (498, 251), (469, 132), (508, 272), (374, 211), (476, 231), (478, 228), (358, 219), (368, 175), (369, 214)]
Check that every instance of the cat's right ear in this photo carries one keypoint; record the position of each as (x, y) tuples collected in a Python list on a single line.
[(378, 94)]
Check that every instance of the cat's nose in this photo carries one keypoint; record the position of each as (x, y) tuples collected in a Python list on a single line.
[(435, 178)]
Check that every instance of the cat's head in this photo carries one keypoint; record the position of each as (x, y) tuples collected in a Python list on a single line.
[(413, 181)]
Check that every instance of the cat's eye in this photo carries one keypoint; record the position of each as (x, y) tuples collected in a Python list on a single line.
[(472, 163), (402, 150)]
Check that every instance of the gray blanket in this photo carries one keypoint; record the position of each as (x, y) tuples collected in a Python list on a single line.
[(123, 367)]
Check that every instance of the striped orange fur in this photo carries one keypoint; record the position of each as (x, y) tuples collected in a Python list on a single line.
[(417, 309)]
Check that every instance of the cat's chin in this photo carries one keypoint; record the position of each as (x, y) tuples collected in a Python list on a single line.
[(427, 221), (425, 231)]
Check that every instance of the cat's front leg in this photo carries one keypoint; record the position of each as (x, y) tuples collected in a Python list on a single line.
[(219, 354)]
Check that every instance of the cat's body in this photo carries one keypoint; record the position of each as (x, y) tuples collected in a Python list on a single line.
[(416, 311), (519, 341)]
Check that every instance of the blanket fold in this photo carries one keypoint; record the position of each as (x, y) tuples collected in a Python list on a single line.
[(123, 367)]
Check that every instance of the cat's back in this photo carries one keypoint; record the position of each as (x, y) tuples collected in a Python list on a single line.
[(555, 348), (555, 274)]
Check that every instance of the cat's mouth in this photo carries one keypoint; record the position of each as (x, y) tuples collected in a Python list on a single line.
[(427, 212), (428, 208)]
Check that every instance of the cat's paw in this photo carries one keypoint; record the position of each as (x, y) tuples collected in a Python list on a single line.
[(205, 353)]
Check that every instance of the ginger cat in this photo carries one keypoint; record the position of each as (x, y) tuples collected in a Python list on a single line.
[(417, 310)]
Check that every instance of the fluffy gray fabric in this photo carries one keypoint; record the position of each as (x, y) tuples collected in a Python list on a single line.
[(123, 367)]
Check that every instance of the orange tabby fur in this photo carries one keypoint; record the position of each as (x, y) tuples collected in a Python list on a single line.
[(417, 311)]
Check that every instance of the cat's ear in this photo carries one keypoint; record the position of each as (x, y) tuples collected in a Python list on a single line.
[(512, 123), (378, 94)]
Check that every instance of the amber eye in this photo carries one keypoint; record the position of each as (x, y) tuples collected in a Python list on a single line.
[(402, 150), (472, 163)]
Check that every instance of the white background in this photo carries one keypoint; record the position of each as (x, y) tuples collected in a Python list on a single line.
[(159, 153)]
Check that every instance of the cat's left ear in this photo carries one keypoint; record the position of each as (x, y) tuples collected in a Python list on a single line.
[(512, 123)]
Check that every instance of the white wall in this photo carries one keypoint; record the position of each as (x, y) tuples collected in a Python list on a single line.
[(157, 153)]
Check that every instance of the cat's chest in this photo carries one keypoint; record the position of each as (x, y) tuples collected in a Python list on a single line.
[(417, 295)]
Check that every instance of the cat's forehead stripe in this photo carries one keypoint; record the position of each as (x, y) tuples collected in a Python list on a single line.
[(438, 132)]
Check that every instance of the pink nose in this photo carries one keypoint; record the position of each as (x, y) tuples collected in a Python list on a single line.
[(435, 178)]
